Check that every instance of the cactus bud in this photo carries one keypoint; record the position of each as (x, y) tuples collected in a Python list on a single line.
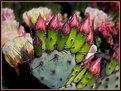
[(94, 67), (85, 26), (66, 29), (37, 47), (40, 25), (74, 21), (37, 41), (54, 22), (90, 38)]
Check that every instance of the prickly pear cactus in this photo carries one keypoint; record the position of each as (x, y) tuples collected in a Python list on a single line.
[(54, 68), (64, 54)]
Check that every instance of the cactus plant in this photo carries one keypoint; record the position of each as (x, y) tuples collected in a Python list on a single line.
[(64, 51)]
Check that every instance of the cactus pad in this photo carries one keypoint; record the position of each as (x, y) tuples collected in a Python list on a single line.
[(54, 68)]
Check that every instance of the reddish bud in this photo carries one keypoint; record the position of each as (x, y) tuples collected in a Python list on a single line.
[(85, 26), (40, 25), (90, 37), (74, 21), (54, 22), (66, 28), (37, 42), (94, 67)]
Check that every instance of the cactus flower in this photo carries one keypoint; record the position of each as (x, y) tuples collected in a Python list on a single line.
[(30, 17), (7, 14), (106, 29), (27, 19), (94, 67), (8, 25), (15, 42)]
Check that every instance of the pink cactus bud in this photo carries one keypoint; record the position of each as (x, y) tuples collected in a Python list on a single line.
[(48, 18), (85, 26), (90, 37), (94, 67), (54, 23), (66, 28), (74, 21), (40, 25)]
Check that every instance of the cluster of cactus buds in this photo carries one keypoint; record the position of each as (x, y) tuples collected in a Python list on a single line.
[(72, 34)]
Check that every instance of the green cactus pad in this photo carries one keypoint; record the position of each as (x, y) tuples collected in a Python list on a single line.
[(78, 42), (61, 41), (51, 39), (88, 78), (71, 38), (74, 73), (82, 53), (42, 37), (80, 75)]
